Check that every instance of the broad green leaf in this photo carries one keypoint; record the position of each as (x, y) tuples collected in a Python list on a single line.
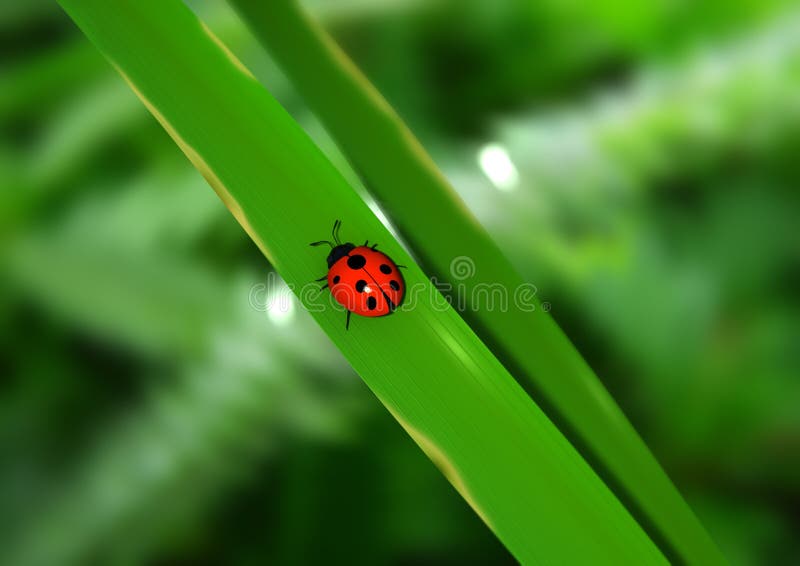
[(425, 364)]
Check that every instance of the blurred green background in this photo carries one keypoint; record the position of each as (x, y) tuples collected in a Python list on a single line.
[(161, 400)]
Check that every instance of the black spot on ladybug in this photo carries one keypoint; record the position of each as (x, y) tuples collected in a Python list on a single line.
[(385, 269), (356, 261), (360, 284), (372, 303), (394, 285), (336, 279)]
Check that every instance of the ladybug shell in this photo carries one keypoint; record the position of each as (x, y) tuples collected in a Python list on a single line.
[(366, 282)]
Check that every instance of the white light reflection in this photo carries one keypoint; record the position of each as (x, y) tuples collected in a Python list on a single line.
[(280, 306), (497, 165)]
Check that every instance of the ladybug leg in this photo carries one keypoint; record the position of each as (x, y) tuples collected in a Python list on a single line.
[(374, 246), (347, 324), (323, 278), (401, 266), (321, 289), (366, 243)]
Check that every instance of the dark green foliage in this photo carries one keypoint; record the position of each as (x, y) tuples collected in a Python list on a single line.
[(675, 273)]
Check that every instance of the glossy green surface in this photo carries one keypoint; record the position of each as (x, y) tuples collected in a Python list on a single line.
[(433, 219), (426, 365)]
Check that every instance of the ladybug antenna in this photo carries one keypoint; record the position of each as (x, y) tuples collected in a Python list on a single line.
[(334, 234), (335, 231)]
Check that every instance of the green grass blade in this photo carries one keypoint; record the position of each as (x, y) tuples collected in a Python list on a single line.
[(437, 225), (426, 365)]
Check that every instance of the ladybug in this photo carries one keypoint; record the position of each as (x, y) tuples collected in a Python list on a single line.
[(361, 279)]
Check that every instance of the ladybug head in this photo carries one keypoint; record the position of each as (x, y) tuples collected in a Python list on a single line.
[(339, 252), (338, 249)]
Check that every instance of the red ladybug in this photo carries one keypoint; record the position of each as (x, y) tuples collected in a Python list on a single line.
[(362, 279)]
